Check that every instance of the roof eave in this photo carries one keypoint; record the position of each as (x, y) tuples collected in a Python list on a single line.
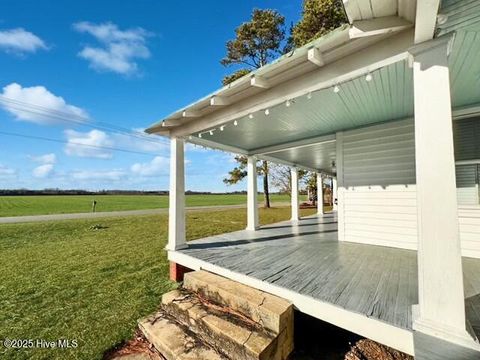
[(345, 36)]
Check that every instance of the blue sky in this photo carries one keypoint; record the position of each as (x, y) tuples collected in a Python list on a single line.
[(126, 63)]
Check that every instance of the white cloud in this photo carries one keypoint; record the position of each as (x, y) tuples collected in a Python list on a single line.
[(38, 105), (43, 171), (95, 175), (158, 166), (88, 144), (46, 168), (20, 41), (139, 141), (44, 159), (119, 50), (6, 172)]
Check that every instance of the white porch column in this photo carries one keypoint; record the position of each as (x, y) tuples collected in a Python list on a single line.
[(441, 309), (252, 192), (334, 193), (176, 218), (320, 193), (295, 202)]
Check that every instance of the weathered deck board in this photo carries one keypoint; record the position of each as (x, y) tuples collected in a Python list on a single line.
[(379, 282)]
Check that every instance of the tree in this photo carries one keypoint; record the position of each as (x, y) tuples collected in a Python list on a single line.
[(310, 180), (240, 172), (236, 75), (318, 18), (281, 178), (256, 42)]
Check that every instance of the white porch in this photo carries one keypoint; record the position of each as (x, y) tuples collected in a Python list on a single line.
[(365, 289), (392, 111)]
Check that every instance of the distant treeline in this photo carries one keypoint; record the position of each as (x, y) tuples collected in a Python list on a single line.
[(24, 192)]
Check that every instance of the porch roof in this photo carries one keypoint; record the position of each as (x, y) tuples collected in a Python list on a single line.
[(369, 9), (339, 44), (285, 111)]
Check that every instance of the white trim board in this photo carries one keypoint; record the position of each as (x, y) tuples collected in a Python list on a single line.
[(457, 114), (382, 332), (384, 53)]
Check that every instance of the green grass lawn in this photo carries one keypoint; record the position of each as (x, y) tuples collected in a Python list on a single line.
[(65, 280), (42, 205)]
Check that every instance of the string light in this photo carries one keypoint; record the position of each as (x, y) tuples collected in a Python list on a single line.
[(288, 103)]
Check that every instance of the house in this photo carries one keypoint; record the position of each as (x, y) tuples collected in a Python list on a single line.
[(389, 105)]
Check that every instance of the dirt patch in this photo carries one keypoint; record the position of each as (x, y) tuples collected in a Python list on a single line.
[(370, 350), (138, 346), (318, 340)]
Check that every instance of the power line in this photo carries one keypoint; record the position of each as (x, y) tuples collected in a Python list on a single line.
[(72, 118), (34, 137), (40, 107), (52, 115)]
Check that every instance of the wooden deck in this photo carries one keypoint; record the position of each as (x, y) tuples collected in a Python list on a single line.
[(379, 283)]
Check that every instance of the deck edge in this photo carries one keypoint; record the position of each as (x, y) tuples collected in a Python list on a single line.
[(382, 332)]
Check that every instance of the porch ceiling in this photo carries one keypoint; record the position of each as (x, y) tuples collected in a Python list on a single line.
[(465, 68), (317, 156), (387, 96)]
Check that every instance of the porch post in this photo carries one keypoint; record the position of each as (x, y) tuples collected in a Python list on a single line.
[(176, 218), (295, 203), (252, 202), (334, 193), (320, 193), (441, 309)]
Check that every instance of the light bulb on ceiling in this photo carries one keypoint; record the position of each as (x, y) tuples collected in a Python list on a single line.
[(288, 103), (235, 123), (309, 95), (211, 132), (222, 127), (369, 77), (336, 89), (250, 116), (200, 136), (267, 112)]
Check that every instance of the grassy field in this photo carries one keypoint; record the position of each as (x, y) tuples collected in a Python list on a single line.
[(68, 280), (43, 205)]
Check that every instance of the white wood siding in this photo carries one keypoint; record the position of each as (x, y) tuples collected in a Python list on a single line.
[(379, 185), (469, 220), (378, 194)]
